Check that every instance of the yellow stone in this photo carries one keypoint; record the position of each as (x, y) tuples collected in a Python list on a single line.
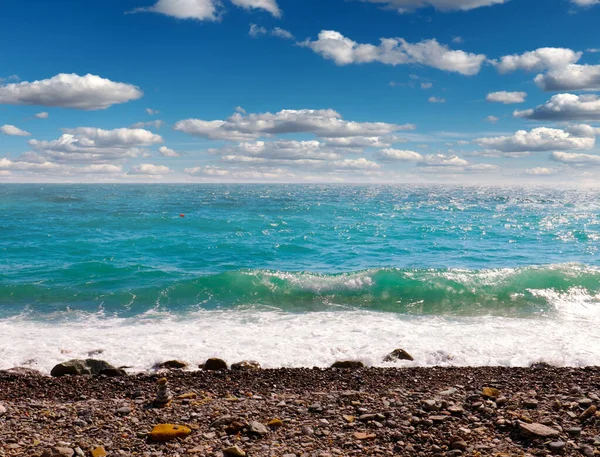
[(364, 436), (490, 392), (98, 452), (275, 422), (187, 396), (168, 432), (349, 419)]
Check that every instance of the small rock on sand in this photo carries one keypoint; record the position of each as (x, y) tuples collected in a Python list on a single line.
[(538, 430), (215, 365), (348, 364), (398, 354)]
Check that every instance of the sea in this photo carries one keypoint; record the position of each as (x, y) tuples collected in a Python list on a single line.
[(298, 275)]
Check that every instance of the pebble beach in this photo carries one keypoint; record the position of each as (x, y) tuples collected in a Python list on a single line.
[(487, 411)]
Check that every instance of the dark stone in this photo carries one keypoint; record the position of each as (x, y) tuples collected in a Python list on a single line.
[(398, 354), (78, 367), (215, 365), (172, 365), (348, 364), (246, 365)]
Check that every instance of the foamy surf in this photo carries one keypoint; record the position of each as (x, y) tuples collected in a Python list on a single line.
[(278, 339)]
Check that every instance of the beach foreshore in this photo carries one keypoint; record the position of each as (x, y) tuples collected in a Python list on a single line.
[(307, 412)]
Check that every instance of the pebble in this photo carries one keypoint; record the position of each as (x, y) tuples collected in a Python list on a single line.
[(234, 451), (123, 411), (2, 410), (257, 428), (538, 430), (557, 446)]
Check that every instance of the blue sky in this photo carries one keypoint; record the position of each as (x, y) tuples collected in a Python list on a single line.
[(466, 91)]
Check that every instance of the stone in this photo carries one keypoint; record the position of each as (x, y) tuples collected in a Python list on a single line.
[(58, 452), (234, 451), (275, 423), (24, 371), (257, 428), (187, 396), (113, 372), (246, 365), (2, 410), (457, 443), (361, 436), (348, 364), (77, 367), (172, 365), (586, 450), (430, 405), (123, 411), (574, 431), (164, 395), (398, 354), (168, 432), (530, 403), (98, 451), (349, 419), (215, 365), (557, 446), (538, 430), (588, 413), (490, 392)]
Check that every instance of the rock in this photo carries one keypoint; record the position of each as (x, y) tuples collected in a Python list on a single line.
[(490, 392), (113, 372), (187, 396), (234, 451), (168, 432), (430, 405), (588, 413), (98, 451), (275, 423), (538, 430), (348, 364), (164, 395), (398, 354), (246, 365), (77, 367), (257, 428), (557, 446), (215, 365), (58, 452), (349, 419), (172, 365), (361, 436), (574, 431), (79, 452), (123, 411), (24, 371), (530, 403), (457, 443), (2, 410), (586, 450)]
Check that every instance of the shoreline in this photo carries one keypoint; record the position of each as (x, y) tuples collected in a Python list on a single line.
[(306, 412)]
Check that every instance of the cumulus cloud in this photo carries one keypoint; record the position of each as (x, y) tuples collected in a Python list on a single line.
[(149, 169), (506, 97), (537, 60), (257, 30), (152, 112), (89, 92), (324, 123), (573, 158), (395, 51), (262, 173), (206, 10), (539, 171), (282, 33), (426, 86), (166, 152), (392, 155), (565, 107), (538, 139), (7, 164), (13, 131), (277, 150), (404, 6), (585, 2), (90, 144), (491, 119), (570, 77), (42, 115)]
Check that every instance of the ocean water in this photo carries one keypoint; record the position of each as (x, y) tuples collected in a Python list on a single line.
[(299, 275)]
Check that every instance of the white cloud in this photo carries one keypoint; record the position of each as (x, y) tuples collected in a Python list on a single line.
[(395, 51), (90, 144), (585, 2), (404, 6), (538, 60), (13, 131), (149, 169), (575, 158), (570, 77), (539, 171), (264, 173), (152, 112), (7, 164), (388, 155), (324, 123), (150, 124), (89, 92), (206, 10), (166, 152), (491, 119), (100, 168), (257, 30), (436, 100), (358, 143), (267, 5), (538, 139), (565, 107), (278, 150), (506, 97), (426, 85), (42, 115), (282, 33)]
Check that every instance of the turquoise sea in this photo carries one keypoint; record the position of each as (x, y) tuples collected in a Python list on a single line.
[(299, 275)]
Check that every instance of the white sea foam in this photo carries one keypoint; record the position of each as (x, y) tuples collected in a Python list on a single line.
[(278, 339)]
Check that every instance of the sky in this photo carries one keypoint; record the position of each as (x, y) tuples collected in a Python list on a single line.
[(314, 91)]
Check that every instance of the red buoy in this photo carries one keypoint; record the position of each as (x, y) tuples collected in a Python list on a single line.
[(182, 215)]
